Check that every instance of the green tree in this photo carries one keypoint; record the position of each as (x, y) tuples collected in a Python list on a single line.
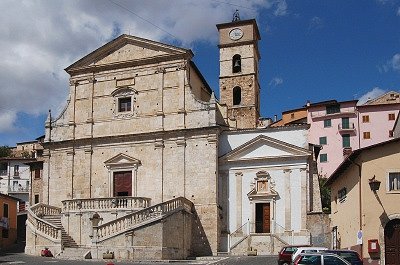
[(5, 151), (325, 195)]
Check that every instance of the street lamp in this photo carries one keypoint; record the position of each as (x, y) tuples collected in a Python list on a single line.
[(374, 184)]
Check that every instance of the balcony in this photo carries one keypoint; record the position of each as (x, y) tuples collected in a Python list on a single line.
[(343, 128), (322, 114), (18, 189)]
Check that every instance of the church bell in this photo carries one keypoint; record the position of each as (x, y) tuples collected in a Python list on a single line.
[(236, 66)]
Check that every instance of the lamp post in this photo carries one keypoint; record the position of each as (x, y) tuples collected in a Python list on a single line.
[(374, 184)]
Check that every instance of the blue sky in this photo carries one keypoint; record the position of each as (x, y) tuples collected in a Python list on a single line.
[(310, 50)]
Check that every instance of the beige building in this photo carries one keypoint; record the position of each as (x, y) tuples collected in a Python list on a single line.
[(131, 166), (364, 198)]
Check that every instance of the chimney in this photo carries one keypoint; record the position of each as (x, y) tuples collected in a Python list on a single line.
[(275, 118)]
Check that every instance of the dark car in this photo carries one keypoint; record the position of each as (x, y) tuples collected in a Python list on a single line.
[(285, 255), (349, 255)]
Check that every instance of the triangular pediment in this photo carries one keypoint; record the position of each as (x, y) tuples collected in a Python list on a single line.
[(122, 160), (126, 50), (264, 147)]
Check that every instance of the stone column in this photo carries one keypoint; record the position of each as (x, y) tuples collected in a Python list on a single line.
[(288, 212)]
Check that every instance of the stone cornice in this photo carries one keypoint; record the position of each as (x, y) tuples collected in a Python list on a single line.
[(148, 136)]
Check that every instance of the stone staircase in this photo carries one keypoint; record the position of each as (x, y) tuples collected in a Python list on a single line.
[(67, 241), (46, 221)]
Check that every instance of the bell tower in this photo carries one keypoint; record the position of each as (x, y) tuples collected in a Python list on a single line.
[(238, 80)]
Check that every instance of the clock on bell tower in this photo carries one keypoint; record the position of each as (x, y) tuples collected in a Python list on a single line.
[(238, 79)]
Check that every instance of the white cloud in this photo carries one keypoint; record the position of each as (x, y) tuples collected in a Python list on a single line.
[(374, 93), (395, 62), (392, 64), (398, 11), (41, 38), (7, 119), (315, 23), (281, 8), (276, 81)]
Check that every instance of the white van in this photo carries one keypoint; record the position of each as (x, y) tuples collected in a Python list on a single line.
[(307, 250)]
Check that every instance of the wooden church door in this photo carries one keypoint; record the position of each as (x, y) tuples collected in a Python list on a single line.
[(123, 183)]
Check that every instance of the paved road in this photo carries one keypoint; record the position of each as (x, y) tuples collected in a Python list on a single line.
[(16, 257)]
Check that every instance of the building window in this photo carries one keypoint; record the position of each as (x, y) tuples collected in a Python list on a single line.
[(37, 173), (327, 123), (237, 95), (366, 135), (36, 198), (394, 181), (323, 140), (365, 118), (392, 116), (342, 193), (333, 109), (236, 63), (124, 104), (391, 133), (345, 123), (346, 140), (323, 158), (5, 210), (16, 170)]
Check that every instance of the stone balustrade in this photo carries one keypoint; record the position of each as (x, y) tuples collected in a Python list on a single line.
[(105, 203), (41, 209), (41, 225), (126, 222)]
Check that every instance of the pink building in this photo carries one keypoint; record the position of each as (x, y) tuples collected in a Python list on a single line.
[(341, 127), (333, 125), (377, 118)]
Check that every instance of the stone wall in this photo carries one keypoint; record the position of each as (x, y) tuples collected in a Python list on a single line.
[(319, 226)]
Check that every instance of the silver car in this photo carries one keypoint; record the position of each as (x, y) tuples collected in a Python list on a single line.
[(319, 259)]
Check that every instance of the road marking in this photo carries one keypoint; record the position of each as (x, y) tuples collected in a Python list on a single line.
[(16, 262)]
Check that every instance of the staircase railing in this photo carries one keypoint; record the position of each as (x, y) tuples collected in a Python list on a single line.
[(124, 223), (41, 225), (240, 234), (41, 209), (106, 203)]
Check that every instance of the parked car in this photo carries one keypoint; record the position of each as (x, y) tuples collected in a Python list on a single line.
[(285, 255), (349, 255), (321, 258), (307, 250)]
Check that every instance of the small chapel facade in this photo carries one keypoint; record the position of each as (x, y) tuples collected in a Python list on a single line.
[(145, 163)]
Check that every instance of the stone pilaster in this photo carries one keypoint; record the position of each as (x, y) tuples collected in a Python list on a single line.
[(238, 178), (288, 198)]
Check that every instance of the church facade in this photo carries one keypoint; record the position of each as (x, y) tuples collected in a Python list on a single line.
[(139, 163)]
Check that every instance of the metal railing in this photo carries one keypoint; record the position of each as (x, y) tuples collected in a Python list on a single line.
[(349, 126)]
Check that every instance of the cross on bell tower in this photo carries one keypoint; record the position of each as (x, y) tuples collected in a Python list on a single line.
[(238, 79)]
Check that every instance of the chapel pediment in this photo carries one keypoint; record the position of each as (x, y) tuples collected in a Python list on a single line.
[(127, 51), (264, 147), (122, 160)]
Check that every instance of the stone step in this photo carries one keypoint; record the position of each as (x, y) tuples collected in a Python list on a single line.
[(74, 253)]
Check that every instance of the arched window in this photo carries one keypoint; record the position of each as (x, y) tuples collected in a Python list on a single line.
[(236, 63), (237, 95)]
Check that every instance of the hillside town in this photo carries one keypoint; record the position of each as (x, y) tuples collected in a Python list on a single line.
[(146, 163)]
